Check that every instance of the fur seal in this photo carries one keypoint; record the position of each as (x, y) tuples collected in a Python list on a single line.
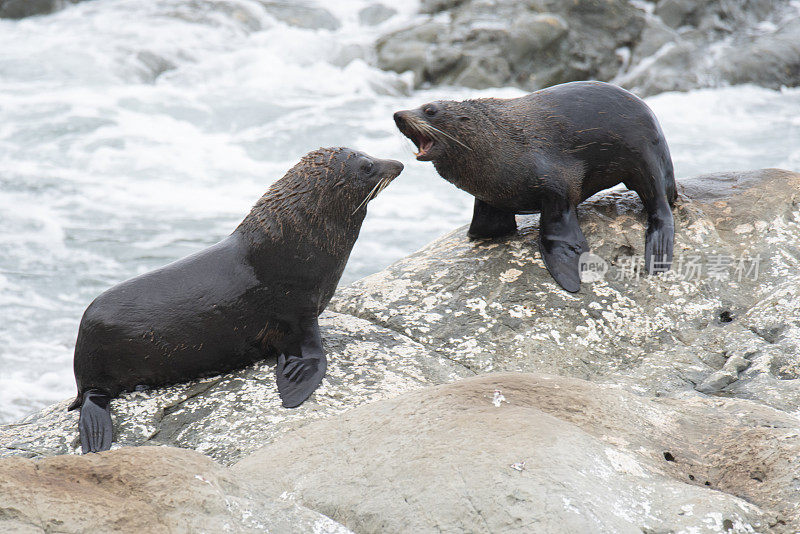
[(548, 151), (255, 294)]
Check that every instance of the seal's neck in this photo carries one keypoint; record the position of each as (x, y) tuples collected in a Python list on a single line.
[(496, 146), (300, 216)]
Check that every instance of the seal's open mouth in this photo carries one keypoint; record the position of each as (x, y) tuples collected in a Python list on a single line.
[(423, 142), (414, 129)]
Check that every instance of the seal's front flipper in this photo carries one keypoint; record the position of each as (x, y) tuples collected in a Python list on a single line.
[(95, 422), (488, 221), (658, 243), (561, 243), (299, 376)]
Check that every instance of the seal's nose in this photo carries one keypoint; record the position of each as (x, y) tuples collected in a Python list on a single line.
[(399, 119), (393, 167)]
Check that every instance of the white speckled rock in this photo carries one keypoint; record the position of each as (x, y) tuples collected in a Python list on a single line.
[(552, 454), (232, 415), (704, 369), (177, 491), (491, 305)]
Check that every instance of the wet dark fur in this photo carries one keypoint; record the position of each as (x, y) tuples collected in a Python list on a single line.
[(557, 146), (248, 297)]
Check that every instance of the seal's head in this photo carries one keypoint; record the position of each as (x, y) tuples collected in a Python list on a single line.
[(437, 128), (327, 186), (357, 178)]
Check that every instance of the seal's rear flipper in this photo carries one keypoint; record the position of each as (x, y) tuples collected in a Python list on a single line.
[(95, 422), (658, 244), (299, 376), (561, 243)]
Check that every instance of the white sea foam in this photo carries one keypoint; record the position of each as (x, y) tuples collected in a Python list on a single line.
[(134, 132)]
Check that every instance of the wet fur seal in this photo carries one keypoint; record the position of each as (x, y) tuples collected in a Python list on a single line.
[(253, 295), (548, 151)]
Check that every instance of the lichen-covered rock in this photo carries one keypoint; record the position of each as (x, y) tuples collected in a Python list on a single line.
[(734, 291), (229, 416), (694, 377), (531, 453), (144, 490)]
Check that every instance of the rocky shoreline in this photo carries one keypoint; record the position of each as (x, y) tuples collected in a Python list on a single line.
[(466, 392), (648, 47), (643, 45)]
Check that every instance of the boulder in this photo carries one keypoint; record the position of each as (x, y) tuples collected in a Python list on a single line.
[(530, 45), (770, 60), (18, 9), (229, 416), (707, 44), (533, 453), (664, 383), (646, 47), (374, 14), (143, 490), (490, 305)]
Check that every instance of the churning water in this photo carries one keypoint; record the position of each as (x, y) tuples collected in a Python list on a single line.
[(134, 132)]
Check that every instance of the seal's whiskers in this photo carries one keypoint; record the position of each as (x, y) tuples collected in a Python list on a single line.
[(435, 129), (367, 198)]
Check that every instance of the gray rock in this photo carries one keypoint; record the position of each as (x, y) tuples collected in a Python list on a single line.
[(497, 43), (771, 60), (411, 50), (301, 15), (18, 9), (374, 14), (437, 6), (229, 416), (490, 305), (716, 43), (531, 45), (676, 45), (654, 36), (143, 490), (701, 365), (677, 13), (531, 453)]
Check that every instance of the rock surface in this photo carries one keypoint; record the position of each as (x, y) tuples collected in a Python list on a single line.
[(530, 453), (144, 490), (692, 372), (490, 305), (229, 416), (532, 45), (18, 9), (646, 46), (374, 14)]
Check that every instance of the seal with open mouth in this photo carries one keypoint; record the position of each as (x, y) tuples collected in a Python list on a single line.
[(255, 294), (548, 151)]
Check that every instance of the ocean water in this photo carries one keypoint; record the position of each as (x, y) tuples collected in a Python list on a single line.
[(134, 132)]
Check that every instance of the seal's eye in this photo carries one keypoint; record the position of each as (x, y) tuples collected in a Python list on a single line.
[(430, 111), (463, 118), (366, 167)]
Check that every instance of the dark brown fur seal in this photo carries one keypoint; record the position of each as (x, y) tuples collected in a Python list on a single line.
[(549, 151), (255, 294)]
